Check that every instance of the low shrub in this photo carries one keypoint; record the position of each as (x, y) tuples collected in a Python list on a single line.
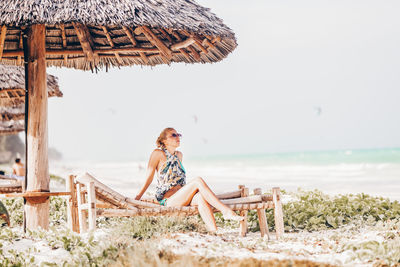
[(313, 210)]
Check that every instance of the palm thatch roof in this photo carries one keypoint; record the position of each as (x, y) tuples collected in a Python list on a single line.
[(12, 86), (104, 33)]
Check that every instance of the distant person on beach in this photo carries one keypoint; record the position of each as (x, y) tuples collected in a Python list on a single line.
[(172, 190), (18, 169)]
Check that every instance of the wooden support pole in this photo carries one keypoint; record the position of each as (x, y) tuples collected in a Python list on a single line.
[(278, 212), (20, 46), (72, 205), (2, 39), (262, 217), (244, 192), (92, 205), (37, 209)]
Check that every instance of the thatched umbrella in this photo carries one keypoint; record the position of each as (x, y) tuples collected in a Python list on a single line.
[(93, 34), (12, 98), (12, 90), (11, 127)]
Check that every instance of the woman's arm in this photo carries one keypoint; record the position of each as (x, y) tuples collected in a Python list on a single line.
[(151, 168)]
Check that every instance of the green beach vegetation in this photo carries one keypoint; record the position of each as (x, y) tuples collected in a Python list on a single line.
[(133, 241)]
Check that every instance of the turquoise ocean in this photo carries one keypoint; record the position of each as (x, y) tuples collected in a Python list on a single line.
[(370, 171)]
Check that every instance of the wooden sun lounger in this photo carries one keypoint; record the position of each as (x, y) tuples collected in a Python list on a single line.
[(14, 185), (90, 198)]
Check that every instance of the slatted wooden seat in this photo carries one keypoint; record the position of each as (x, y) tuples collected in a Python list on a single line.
[(91, 198)]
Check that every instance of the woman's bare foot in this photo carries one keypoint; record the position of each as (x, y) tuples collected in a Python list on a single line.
[(232, 216)]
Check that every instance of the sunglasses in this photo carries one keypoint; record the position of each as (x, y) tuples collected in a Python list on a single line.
[(176, 135)]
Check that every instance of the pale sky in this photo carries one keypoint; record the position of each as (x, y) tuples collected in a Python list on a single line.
[(294, 59)]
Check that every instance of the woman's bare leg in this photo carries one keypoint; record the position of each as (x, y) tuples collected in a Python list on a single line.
[(205, 212), (184, 196)]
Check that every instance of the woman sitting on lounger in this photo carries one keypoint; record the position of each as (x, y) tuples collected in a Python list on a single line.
[(172, 190)]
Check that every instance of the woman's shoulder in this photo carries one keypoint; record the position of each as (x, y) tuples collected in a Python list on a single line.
[(179, 154), (157, 152)]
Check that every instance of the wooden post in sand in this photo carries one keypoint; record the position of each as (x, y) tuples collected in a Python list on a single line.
[(38, 180), (81, 208), (262, 218), (91, 193), (244, 192), (278, 212)]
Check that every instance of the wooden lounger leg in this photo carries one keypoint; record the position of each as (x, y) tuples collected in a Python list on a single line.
[(244, 192), (72, 205), (278, 212), (81, 209), (262, 217), (92, 205)]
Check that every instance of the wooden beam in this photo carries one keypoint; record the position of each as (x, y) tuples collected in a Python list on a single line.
[(140, 203), (216, 39), (198, 43), (175, 34), (173, 211), (144, 57), (185, 54), (166, 35), (233, 194), (183, 44), (130, 35), (250, 199), (208, 43), (194, 53), (85, 39), (106, 192), (2, 39), (110, 41), (58, 52), (38, 179), (39, 194), (156, 42), (64, 41)]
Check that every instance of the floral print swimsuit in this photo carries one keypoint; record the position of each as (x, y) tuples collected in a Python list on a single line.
[(169, 175)]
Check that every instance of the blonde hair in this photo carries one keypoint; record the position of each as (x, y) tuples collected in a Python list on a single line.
[(162, 137)]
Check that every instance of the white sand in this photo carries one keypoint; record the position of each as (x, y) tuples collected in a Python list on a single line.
[(320, 246)]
